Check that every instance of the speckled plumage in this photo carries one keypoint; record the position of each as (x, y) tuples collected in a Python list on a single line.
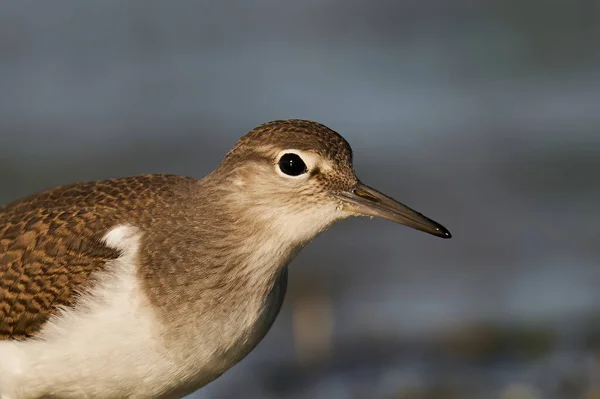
[(50, 242)]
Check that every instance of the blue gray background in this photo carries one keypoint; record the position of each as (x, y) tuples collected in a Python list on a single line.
[(484, 115)]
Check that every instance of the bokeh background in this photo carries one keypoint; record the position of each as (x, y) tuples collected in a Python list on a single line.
[(484, 115)]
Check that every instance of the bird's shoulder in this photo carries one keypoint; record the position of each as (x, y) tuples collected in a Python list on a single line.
[(51, 242)]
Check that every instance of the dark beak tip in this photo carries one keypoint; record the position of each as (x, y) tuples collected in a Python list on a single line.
[(371, 202), (442, 232), (445, 234)]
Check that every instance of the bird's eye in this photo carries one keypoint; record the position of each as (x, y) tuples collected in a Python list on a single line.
[(292, 164)]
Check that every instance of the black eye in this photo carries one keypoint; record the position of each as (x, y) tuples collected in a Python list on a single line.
[(292, 164)]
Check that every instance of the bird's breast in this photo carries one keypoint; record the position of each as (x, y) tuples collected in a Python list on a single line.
[(212, 347)]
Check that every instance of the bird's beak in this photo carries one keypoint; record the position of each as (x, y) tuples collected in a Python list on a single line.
[(366, 201)]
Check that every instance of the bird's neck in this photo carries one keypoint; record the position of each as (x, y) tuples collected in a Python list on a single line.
[(230, 252), (253, 234), (250, 252), (222, 280)]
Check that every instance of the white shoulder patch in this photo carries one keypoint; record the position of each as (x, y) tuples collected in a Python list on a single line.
[(123, 237)]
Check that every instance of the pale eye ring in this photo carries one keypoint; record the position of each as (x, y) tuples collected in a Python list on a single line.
[(292, 165)]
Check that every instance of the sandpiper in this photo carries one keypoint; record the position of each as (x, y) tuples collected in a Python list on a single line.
[(154, 285)]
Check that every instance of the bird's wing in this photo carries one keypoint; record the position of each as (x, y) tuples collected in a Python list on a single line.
[(49, 246), (51, 242)]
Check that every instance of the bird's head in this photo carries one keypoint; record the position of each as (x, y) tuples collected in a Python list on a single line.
[(298, 177)]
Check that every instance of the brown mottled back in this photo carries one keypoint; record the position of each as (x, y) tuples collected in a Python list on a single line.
[(50, 243)]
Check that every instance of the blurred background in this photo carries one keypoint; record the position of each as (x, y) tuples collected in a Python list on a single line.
[(483, 115)]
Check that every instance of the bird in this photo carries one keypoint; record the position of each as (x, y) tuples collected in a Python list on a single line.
[(152, 286)]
